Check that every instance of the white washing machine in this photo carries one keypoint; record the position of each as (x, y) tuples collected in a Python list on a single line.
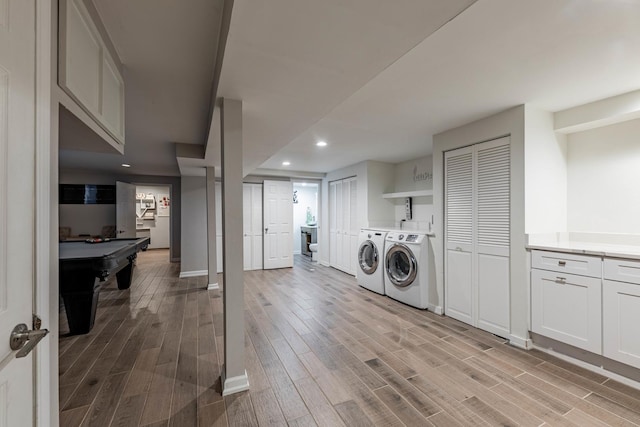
[(370, 273), (406, 266)]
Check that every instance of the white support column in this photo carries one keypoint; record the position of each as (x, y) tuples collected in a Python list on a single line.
[(234, 374), (211, 230)]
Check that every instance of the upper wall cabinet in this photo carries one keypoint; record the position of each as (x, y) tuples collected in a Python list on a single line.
[(87, 72)]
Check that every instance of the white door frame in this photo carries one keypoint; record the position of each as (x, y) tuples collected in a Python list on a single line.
[(46, 215)]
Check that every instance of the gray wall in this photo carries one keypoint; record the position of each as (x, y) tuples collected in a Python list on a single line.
[(70, 214), (194, 226)]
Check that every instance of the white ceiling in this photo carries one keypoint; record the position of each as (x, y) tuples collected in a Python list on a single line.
[(553, 54), (375, 79)]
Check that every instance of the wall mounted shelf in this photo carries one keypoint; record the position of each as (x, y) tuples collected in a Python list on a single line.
[(415, 193)]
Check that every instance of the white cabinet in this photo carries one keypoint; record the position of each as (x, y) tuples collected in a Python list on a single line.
[(343, 224), (621, 311), (87, 72), (477, 235), (567, 307), (252, 226)]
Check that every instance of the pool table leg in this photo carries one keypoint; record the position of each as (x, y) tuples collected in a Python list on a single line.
[(125, 275), (80, 307)]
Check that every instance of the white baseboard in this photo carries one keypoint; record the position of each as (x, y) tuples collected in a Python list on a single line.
[(195, 273), (523, 343), (213, 286), (437, 309), (234, 384)]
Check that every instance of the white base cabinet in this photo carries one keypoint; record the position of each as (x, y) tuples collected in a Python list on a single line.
[(566, 298), (621, 310), (597, 309), (567, 308)]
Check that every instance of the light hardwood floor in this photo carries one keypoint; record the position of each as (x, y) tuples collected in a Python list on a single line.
[(320, 351)]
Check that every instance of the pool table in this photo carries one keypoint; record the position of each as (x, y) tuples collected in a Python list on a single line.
[(83, 266)]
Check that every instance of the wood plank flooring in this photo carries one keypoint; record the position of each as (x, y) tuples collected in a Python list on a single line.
[(320, 351)]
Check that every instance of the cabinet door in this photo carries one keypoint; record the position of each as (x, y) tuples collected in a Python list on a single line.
[(567, 308), (459, 292), (621, 317)]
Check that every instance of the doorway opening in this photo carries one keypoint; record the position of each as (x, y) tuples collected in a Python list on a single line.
[(306, 219)]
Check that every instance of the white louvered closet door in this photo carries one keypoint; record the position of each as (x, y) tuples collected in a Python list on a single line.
[(333, 225), (477, 235), (493, 234), (459, 234)]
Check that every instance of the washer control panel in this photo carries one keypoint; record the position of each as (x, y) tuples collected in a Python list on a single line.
[(411, 238)]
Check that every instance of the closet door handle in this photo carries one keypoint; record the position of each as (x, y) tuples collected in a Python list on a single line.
[(265, 230)]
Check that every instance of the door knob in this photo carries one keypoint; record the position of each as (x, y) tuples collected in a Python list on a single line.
[(265, 230), (24, 339)]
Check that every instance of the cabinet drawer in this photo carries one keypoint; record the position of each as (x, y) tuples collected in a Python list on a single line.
[(567, 308), (622, 270), (621, 316), (583, 265)]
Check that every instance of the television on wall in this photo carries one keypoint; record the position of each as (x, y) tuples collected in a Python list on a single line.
[(87, 194)]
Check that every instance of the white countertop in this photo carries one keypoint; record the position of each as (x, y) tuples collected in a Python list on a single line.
[(597, 244)]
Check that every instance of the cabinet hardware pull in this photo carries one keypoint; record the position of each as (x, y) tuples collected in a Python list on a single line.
[(562, 263), (561, 280)]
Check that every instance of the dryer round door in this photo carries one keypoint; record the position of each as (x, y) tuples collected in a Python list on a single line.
[(401, 265), (368, 257)]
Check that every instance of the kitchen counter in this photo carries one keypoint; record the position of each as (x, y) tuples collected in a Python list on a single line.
[(597, 244)]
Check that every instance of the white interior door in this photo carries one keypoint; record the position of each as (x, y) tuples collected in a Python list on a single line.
[(354, 226), (252, 226), (493, 190), (125, 210), (333, 218), (477, 235), (17, 207), (278, 224), (459, 208), (219, 227)]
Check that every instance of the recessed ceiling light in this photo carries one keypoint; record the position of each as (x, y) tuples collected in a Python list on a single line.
[(321, 144), (286, 163), (126, 165)]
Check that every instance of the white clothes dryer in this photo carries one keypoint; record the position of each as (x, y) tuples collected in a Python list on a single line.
[(406, 263), (370, 272)]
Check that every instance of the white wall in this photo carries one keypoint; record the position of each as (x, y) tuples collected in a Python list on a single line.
[(379, 180), (604, 179), (414, 175), (194, 226), (159, 226), (545, 169), (511, 123), (307, 197)]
